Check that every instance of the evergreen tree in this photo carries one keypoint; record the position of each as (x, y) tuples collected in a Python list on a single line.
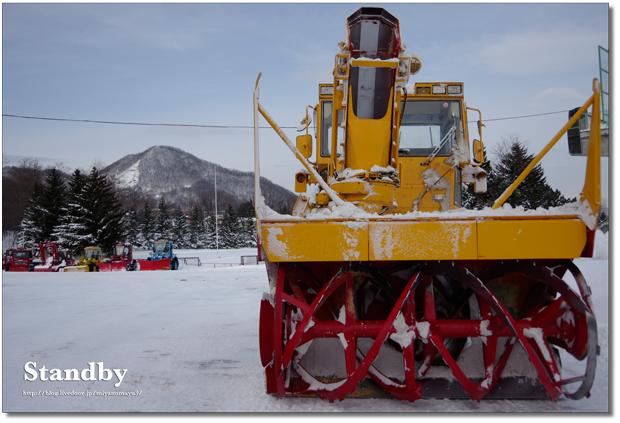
[(180, 229), (212, 234), (247, 235), (71, 232), (197, 228), (248, 232), (163, 221), (132, 224), (284, 209), (148, 226), (229, 235), (603, 214), (44, 211), (52, 203), (246, 209), (103, 217), (32, 223), (532, 193)]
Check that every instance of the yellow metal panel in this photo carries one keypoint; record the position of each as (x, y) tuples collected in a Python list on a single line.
[(530, 239), (368, 139), (315, 241), (369, 142), (76, 269), (422, 240), (372, 63), (411, 184), (351, 187)]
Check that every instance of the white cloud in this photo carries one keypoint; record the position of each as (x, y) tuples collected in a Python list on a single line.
[(316, 75), (551, 97), (538, 52)]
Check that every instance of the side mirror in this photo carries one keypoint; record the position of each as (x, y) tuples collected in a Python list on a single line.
[(304, 145), (478, 151)]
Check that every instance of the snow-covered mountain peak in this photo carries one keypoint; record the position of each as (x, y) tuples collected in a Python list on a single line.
[(182, 177), (130, 177)]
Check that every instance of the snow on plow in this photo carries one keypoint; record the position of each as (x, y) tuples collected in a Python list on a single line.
[(118, 266), (380, 284)]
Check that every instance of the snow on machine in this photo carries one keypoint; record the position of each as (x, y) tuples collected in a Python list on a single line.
[(161, 258), (122, 259), (89, 261), (381, 284), (17, 260), (53, 259)]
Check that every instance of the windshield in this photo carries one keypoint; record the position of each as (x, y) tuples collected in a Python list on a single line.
[(22, 254), (118, 250), (161, 247), (425, 124), (92, 254)]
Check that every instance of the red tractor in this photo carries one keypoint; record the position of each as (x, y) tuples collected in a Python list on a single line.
[(52, 258), (17, 260), (122, 259)]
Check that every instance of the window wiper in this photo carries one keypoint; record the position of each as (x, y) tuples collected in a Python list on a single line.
[(445, 139), (402, 112)]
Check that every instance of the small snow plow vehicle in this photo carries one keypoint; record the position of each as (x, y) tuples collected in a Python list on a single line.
[(89, 261), (18, 260), (53, 259), (381, 284), (122, 259), (161, 258)]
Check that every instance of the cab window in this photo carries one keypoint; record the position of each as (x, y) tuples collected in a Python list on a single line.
[(326, 129), (428, 123)]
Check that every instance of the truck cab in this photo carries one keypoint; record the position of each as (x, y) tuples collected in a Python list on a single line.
[(17, 260), (430, 143), (163, 250)]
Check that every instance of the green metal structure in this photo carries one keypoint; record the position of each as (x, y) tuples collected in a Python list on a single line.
[(603, 64)]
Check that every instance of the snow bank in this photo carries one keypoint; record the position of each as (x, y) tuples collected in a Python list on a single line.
[(601, 245), (349, 211)]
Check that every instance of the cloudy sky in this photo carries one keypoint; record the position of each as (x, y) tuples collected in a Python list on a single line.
[(197, 64)]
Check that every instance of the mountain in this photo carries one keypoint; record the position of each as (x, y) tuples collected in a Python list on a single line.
[(183, 178)]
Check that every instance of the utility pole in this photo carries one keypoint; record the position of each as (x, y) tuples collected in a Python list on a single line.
[(217, 246)]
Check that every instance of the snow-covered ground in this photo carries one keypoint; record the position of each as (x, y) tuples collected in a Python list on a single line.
[(189, 342)]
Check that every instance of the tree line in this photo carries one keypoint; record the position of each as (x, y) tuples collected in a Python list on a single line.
[(87, 210), (235, 229)]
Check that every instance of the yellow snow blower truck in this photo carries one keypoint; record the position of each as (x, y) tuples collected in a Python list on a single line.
[(89, 261), (380, 283)]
